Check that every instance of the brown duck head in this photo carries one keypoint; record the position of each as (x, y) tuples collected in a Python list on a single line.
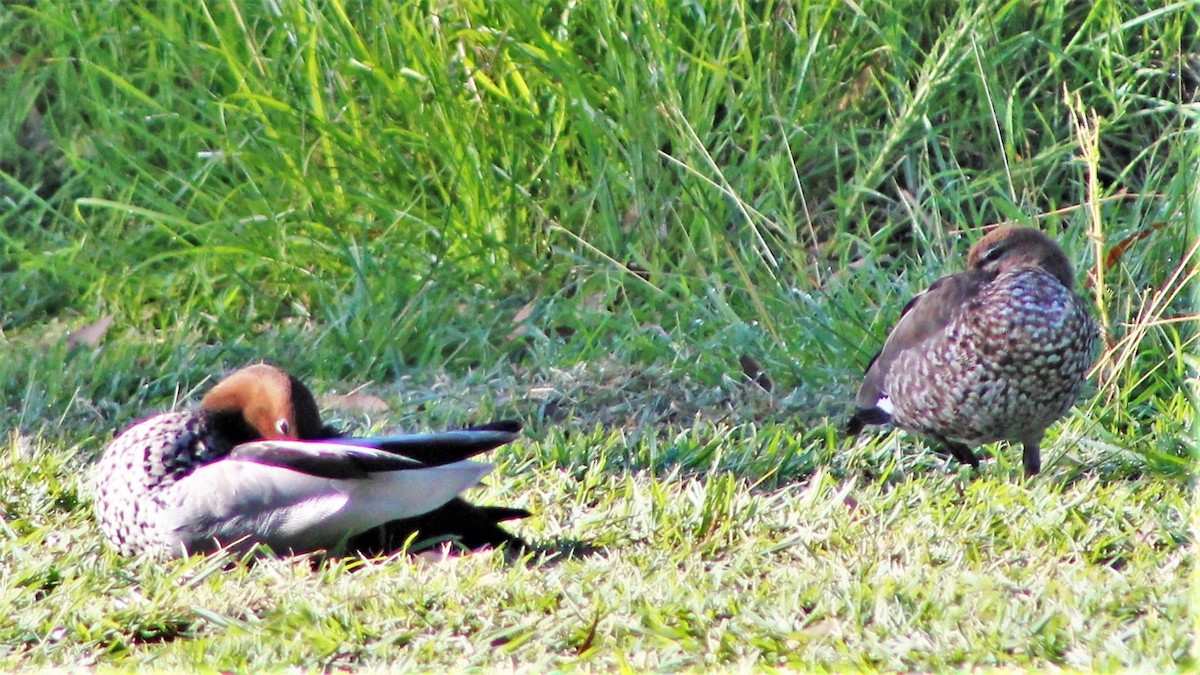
[(262, 401), (1007, 248)]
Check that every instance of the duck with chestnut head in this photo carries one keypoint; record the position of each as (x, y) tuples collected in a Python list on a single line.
[(253, 464)]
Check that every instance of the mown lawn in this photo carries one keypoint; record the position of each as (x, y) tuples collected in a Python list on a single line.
[(668, 237)]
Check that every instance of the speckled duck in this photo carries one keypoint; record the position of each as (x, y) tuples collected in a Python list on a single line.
[(998, 352)]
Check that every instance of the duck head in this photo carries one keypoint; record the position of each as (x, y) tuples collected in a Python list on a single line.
[(262, 401), (1007, 248)]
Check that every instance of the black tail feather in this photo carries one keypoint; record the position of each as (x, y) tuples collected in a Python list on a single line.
[(444, 447), (508, 426), (864, 416)]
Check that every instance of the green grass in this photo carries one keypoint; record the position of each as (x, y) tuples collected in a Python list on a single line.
[(593, 217)]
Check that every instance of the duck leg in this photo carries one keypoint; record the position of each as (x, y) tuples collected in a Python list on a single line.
[(961, 452), (1031, 455)]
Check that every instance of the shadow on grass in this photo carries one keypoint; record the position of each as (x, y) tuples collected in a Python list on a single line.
[(543, 555), (563, 550)]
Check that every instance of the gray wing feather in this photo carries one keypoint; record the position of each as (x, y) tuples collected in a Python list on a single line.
[(925, 315)]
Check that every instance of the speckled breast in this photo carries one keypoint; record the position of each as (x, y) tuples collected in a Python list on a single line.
[(1010, 362), (134, 475)]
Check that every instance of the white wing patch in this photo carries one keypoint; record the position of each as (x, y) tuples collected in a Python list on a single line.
[(885, 404)]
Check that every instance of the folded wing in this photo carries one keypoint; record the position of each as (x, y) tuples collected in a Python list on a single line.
[(301, 496), (924, 316)]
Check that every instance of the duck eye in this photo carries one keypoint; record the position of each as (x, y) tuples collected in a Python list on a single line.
[(994, 254), (282, 427)]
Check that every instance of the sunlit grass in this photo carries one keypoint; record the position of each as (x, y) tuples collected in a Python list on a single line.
[(600, 218)]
